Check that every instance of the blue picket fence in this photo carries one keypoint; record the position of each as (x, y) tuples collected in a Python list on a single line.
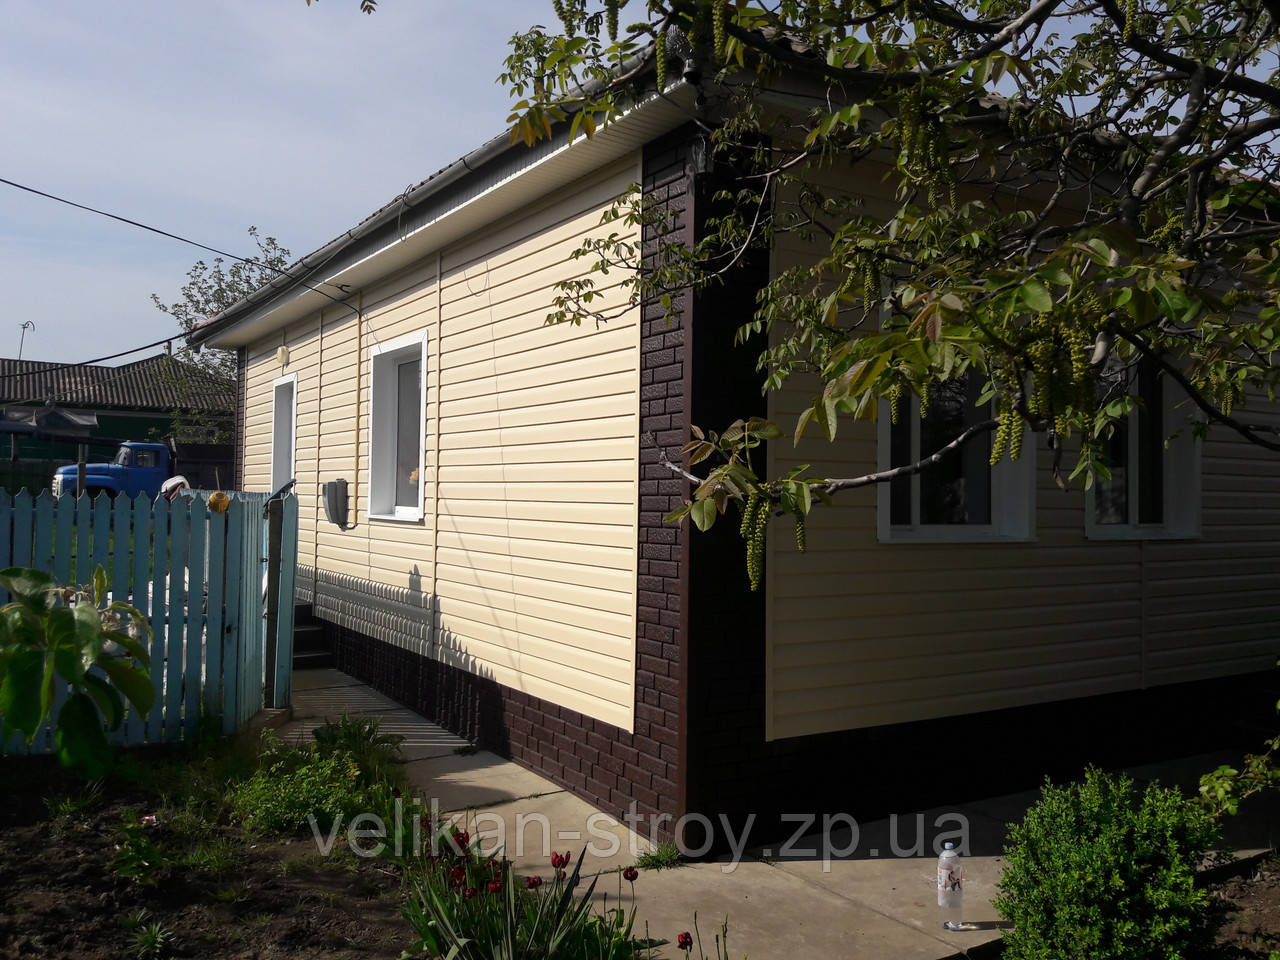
[(196, 574)]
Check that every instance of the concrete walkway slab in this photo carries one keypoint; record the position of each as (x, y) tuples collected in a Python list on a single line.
[(333, 702), (772, 915), (529, 829), (467, 782), (422, 738), (304, 680)]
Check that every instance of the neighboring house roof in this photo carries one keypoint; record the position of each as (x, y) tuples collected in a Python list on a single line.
[(147, 385), (486, 184)]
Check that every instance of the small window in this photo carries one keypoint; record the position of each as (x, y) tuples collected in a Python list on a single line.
[(396, 447), (284, 436), (962, 498), (1154, 488), (146, 458)]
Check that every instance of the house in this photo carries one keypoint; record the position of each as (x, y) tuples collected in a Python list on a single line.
[(506, 570), (51, 408)]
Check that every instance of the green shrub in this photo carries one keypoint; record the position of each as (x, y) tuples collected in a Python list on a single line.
[(1101, 869), (296, 785), (376, 754)]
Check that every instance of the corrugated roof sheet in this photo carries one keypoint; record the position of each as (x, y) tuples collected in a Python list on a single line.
[(150, 384)]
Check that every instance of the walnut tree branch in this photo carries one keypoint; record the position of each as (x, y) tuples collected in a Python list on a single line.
[(1250, 433), (907, 469)]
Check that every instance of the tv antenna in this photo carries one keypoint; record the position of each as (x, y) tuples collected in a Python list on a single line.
[(26, 325)]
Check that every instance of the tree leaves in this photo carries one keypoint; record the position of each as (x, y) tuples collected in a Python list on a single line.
[(971, 195), (703, 513), (1036, 296)]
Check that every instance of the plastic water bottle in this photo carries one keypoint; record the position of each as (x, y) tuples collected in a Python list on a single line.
[(950, 887)]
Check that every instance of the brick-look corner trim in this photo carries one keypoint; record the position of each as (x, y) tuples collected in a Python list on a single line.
[(607, 766), (237, 468)]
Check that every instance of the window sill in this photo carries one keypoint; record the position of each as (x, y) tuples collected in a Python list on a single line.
[(415, 517), (1125, 532), (953, 536)]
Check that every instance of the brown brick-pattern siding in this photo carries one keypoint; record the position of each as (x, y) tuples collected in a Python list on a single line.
[(662, 587), (605, 765)]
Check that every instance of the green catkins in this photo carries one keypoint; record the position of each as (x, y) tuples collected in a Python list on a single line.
[(611, 8), (720, 27), (660, 59)]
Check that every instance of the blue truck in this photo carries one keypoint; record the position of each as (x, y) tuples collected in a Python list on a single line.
[(141, 468)]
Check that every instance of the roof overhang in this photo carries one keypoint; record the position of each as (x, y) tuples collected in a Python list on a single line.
[(489, 183)]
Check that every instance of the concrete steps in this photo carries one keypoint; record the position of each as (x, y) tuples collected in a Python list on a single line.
[(310, 647)]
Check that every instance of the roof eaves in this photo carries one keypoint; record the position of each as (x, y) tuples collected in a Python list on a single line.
[(433, 187)]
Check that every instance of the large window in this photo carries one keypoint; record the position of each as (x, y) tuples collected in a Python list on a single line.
[(962, 497), (396, 447), (1154, 487), (284, 429)]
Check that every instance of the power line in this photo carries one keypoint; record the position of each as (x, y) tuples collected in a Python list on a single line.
[(172, 236), (165, 233), (132, 223), (89, 363)]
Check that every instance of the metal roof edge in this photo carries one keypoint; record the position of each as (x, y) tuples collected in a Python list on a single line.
[(499, 160)]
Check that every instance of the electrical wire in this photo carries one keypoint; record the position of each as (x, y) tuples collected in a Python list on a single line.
[(164, 233), (172, 236), (86, 363)]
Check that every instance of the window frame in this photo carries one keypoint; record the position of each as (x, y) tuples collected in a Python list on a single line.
[(1012, 495), (1181, 459), (292, 380), (385, 358)]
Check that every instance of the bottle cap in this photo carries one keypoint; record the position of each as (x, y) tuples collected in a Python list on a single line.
[(948, 845)]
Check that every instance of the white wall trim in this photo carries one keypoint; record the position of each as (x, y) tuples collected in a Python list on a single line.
[(292, 380), (1013, 496), (1181, 464), (376, 502)]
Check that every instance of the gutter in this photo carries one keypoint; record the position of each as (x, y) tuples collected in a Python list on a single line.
[(449, 176), (317, 259)]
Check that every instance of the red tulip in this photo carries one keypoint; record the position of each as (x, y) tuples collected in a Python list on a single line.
[(685, 941), (630, 874)]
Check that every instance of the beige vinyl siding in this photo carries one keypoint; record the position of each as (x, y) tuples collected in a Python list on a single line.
[(861, 633), (524, 567)]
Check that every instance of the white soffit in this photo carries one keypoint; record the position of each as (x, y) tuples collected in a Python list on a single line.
[(543, 175)]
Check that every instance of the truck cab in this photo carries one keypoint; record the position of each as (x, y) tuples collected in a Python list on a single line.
[(136, 468)]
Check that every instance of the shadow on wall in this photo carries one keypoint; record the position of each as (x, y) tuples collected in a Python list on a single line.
[(434, 674)]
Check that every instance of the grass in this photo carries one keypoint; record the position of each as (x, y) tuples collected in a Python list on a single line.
[(152, 941), (665, 856), (217, 857)]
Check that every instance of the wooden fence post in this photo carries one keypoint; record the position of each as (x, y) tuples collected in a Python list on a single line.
[(275, 524)]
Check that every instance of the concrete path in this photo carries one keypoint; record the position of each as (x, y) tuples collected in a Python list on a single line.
[(851, 891)]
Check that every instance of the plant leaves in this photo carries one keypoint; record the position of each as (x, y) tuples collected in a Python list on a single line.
[(80, 739), (20, 692), (132, 682), (30, 586), (703, 513), (107, 699), (1036, 296)]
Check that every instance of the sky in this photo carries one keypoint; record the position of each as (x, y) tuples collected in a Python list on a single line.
[(205, 118)]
